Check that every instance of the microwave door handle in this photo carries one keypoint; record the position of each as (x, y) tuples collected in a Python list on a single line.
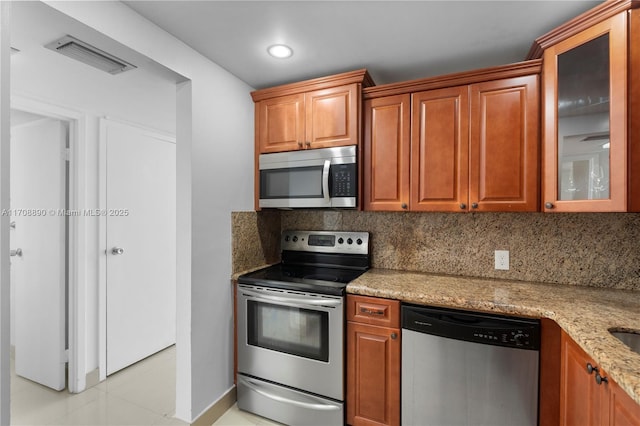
[(325, 181), (304, 301)]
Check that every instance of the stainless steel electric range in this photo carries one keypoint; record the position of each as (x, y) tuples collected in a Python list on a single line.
[(291, 328)]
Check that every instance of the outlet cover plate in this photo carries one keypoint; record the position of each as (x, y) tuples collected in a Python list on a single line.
[(502, 260)]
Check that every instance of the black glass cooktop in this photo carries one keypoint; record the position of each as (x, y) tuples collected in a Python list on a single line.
[(315, 262), (303, 277)]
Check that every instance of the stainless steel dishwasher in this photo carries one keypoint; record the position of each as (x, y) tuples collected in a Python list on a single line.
[(464, 368)]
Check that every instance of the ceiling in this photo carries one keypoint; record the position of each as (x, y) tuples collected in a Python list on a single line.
[(394, 40)]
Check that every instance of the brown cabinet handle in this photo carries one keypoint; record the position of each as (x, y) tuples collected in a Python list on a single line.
[(368, 311), (300, 144), (600, 379), (307, 143)]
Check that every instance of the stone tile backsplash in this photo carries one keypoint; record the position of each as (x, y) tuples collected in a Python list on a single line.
[(591, 249)]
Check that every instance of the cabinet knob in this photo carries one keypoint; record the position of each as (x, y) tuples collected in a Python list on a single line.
[(600, 379), (591, 368), (548, 205), (307, 143), (300, 144), (463, 206), (394, 336), (474, 205), (404, 206)]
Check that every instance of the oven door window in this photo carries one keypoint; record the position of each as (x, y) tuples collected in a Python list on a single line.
[(298, 182), (296, 331)]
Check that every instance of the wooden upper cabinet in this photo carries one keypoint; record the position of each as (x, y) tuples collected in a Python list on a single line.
[(585, 134), (319, 113), (504, 145), (465, 147), (332, 117), (440, 150), (591, 86), (386, 153), (281, 123)]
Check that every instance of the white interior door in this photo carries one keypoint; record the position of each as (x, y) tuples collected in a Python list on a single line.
[(38, 189), (140, 244)]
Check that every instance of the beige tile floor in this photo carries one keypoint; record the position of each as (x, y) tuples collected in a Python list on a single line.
[(236, 417), (140, 395)]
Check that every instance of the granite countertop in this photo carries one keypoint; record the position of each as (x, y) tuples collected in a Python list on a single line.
[(585, 313)]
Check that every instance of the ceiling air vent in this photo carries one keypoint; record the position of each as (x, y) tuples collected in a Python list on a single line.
[(83, 52)]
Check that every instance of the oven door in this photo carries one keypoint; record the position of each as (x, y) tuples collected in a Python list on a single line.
[(292, 338)]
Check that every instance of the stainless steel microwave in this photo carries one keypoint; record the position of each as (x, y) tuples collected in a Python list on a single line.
[(312, 178)]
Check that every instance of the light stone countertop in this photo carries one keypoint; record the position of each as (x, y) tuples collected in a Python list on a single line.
[(585, 313)]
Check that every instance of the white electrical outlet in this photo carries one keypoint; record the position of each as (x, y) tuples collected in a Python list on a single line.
[(502, 260)]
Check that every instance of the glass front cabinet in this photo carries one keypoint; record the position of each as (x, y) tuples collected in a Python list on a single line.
[(586, 141)]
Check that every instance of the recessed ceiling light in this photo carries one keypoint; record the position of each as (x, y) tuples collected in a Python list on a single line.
[(280, 51)]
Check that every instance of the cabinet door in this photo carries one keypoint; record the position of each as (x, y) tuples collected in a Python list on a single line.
[(581, 398), (585, 116), (280, 123), (623, 411), (332, 117), (373, 375), (440, 150), (504, 145), (386, 151)]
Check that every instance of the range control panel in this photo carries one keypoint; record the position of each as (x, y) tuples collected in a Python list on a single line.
[(326, 242)]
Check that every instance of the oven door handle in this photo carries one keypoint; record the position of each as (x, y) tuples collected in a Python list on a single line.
[(305, 301), (325, 181), (256, 388)]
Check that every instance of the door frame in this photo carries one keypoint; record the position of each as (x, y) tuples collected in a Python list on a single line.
[(76, 232), (105, 122)]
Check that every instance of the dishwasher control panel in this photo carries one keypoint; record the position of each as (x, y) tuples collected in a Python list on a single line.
[(519, 337), (490, 329)]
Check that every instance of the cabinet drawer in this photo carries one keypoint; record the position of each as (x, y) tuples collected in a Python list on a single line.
[(373, 310)]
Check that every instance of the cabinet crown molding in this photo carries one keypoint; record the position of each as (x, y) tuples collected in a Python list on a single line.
[(518, 69), (581, 22), (358, 76)]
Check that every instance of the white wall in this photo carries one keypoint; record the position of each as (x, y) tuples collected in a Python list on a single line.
[(5, 26), (215, 177), (137, 96)]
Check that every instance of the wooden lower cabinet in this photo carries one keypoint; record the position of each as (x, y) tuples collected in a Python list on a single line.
[(623, 411), (584, 401), (581, 398), (373, 361)]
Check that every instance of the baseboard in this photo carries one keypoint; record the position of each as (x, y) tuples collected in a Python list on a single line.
[(213, 413), (92, 378)]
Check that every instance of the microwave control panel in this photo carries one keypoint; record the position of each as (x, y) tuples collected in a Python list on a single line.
[(343, 180)]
